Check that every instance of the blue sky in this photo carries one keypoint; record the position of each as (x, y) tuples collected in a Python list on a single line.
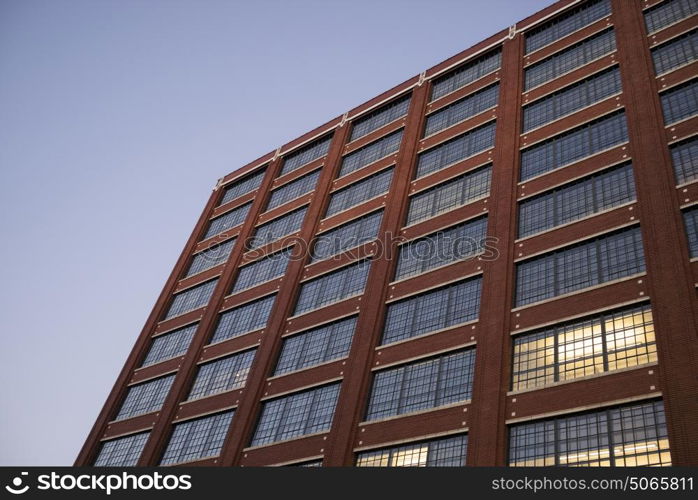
[(116, 120)]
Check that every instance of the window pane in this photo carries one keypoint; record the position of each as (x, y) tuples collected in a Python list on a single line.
[(382, 116), (222, 375), (243, 319), (122, 452), (445, 452), (306, 154), (197, 439)]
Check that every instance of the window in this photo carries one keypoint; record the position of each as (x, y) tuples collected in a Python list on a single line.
[(573, 145), (293, 189), (629, 435), (170, 345), (228, 220), (690, 219), (382, 116), (197, 439), (277, 228), (122, 452), (456, 149), (680, 102), (349, 235), (306, 154), (573, 98), (423, 384), (433, 310), (566, 23), (243, 186), (333, 287), (370, 153), (222, 375), (313, 463), (315, 346), (606, 258), (677, 52), (669, 12), (446, 452), (684, 156), (601, 343), (573, 201), (444, 247), (358, 192), (454, 193), (263, 270), (210, 257), (466, 73), (566, 60), (145, 398), (461, 110), (298, 414), (243, 319), (192, 298)]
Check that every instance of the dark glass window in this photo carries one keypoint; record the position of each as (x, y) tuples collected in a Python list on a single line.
[(676, 52), (197, 439), (433, 310), (573, 145), (466, 73), (277, 228), (333, 287), (566, 23), (347, 236), (690, 219), (456, 149), (444, 452), (573, 98), (382, 116), (460, 242), (224, 374), (358, 192), (684, 156), (580, 266), (122, 452), (454, 193), (680, 102), (370, 153), (263, 270), (169, 345), (210, 257), (315, 346), (570, 58), (306, 154), (461, 110), (243, 186), (576, 200), (145, 398), (601, 343), (293, 189), (668, 12), (243, 319), (192, 298), (298, 414), (228, 220), (420, 385), (629, 435)]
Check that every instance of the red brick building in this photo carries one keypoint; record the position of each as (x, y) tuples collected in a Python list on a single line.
[(493, 263)]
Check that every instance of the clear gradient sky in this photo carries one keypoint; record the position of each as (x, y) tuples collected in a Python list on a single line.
[(116, 119)]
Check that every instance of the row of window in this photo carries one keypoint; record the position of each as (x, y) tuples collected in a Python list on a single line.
[(629, 435), (293, 189), (680, 102), (370, 153), (462, 109), (380, 117), (277, 228), (676, 52), (349, 235), (667, 13)]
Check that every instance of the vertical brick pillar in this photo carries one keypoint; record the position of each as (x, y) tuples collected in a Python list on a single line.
[(356, 384), (487, 437), (161, 430), (91, 447), (671, 290), (244, 420)]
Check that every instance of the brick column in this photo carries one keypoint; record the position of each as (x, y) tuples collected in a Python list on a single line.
[(487, 438), (671, 290), (356, 384), (244, 420)]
